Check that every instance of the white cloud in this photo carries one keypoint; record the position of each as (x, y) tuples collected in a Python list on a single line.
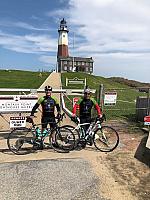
[(35, 44), (22, 25), (116, 34)]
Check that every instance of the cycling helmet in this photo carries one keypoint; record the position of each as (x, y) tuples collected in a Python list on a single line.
[(48, 88), (87, 90)]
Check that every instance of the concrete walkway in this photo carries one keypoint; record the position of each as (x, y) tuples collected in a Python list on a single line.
[(54, 80)]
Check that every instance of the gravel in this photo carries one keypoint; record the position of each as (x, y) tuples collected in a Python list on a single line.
[(66, 179)]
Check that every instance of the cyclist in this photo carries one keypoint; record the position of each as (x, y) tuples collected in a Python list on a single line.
[(85, 105), (48, 104)]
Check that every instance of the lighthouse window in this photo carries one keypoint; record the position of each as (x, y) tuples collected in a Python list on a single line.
[(63, 35)]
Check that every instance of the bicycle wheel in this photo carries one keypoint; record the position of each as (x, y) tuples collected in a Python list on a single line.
[(19, 141), (106, 139), (62, 139), (75, 132)]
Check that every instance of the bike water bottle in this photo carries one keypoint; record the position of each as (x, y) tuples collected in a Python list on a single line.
[(44, 132), (38, 132)]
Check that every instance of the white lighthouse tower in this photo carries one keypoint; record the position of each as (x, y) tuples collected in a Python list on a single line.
[(63, 40)]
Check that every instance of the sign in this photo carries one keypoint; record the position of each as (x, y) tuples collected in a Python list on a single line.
[(110, 98), (17, 103), (17, 122), (75, 81), (147, 120), (75, 100)]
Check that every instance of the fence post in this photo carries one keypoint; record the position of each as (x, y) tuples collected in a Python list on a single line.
[(100, 98), (148, 102)]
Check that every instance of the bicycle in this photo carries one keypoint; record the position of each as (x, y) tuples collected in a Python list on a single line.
[(104, 138), (22, 141)]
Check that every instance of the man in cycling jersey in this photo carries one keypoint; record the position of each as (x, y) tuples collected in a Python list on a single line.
[(85, 105), (48, 104)]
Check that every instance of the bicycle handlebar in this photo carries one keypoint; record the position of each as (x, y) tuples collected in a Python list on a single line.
[(29, 119), (103, 118), (75, 119)]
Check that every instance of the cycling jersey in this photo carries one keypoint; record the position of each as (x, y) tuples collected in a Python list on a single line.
[(48, 104), (85, 107)]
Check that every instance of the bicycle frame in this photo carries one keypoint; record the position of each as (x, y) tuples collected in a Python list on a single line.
[(93, 126)]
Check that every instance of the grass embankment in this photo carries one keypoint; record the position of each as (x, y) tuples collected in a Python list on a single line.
[(21, 79), (126, 96)]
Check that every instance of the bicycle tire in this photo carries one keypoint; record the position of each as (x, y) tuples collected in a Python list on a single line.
[(75, 132), (19, 141), (107, 142), (64, 139)]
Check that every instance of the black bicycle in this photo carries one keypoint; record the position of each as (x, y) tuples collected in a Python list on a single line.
[(104, 138), (26, 140)]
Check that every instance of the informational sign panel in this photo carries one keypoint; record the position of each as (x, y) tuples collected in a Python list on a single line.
[(75, 99), (17, 103), (17, 122), (75, 81), (110, 98)]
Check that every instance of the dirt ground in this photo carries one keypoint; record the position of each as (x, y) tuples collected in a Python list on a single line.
[(124, 174), (125, 164)]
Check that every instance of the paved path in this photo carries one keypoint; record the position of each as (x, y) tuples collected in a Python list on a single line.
[(65, 179)]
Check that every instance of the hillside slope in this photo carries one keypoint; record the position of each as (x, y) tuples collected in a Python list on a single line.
[(21, 79)]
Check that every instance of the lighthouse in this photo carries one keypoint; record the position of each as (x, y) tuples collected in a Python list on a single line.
[(66, 63), (63, 40)]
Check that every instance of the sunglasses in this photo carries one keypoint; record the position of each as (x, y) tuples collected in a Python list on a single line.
[(87, 93)]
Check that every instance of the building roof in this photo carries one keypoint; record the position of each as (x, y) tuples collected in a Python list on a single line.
[(77, 59)]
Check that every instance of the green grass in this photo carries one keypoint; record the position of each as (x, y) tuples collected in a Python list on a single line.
[(21, 79), (126, 96)]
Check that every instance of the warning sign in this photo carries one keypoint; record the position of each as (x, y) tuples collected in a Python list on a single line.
[(75, 100), (17, 122), (147, 120), (110, 98)]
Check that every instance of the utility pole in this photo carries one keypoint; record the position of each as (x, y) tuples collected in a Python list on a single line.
[(73, 54)]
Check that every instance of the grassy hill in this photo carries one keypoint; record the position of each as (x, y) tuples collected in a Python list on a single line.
[(128, 82), (126, 95), (21, 79)]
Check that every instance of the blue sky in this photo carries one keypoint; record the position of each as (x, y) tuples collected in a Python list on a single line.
[(116, 33)]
